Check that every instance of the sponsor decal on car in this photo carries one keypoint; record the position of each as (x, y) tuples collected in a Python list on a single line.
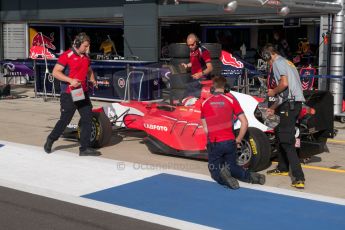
[(156, 127)]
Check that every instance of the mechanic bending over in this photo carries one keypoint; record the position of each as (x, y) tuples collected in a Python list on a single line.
[(73, 70), (217, 116), (200, 64), (287, 107)]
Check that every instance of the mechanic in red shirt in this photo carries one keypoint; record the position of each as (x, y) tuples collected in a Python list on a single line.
[(73, 70), (217, 115), (200, 64)]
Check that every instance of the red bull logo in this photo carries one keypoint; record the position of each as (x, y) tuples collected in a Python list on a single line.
[(228, 59), (39, 39), (39, 52), (307, 78)]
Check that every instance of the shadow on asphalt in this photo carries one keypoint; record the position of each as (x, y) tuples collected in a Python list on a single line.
[(63, 147)]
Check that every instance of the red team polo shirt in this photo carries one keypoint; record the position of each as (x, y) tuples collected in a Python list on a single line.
[(76, 67), (219, 111), (198, 59)]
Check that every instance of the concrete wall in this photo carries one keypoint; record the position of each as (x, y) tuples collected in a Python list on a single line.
[(38, 10), (141, 31)]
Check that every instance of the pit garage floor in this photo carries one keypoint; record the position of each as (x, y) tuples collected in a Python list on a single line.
[(175, 192)]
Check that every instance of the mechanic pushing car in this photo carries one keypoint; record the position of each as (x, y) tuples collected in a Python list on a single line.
[(287, 107), (217, 116), (200, 64), (74, 93)]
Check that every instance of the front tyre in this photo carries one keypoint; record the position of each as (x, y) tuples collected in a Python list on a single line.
[(255, 150), (101, 130)]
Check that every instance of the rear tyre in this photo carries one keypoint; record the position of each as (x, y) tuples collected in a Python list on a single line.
[(255, 152), (342, 119)]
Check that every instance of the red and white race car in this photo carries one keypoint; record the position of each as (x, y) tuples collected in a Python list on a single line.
[(176, 129)]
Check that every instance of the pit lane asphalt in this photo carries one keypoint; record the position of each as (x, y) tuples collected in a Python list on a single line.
[(29, 121), (21, 210)]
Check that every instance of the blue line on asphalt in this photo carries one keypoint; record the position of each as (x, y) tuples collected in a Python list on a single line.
[(207, 203)]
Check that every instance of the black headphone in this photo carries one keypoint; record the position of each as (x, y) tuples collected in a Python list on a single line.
[(79, 39), (197, 40), (266, 55), (227, 89), (267, 51)]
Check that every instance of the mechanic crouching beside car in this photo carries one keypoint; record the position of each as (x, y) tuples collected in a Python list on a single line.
[(287, 107), (217, 116)]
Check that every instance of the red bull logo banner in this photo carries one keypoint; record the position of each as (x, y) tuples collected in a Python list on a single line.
[(228, 59), (307, 77), (39, 52), (41, 45), (231, 66), (42, 40)]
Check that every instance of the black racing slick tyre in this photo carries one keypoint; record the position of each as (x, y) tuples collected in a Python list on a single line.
[(177, 94), (255, 150), (101, 130), (342, 119), (217, 67), (177, 64), (179, 81), (181, 50), (215, 49), (178, 50)]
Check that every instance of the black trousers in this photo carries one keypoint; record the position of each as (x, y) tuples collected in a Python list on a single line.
[(68, 108), (288, 156), (224, 154)]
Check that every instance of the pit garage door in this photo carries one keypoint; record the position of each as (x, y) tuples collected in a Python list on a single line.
[(14, 40)]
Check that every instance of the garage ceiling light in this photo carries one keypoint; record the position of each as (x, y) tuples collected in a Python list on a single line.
[(284, 11), (263, 2), (231, 6)]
